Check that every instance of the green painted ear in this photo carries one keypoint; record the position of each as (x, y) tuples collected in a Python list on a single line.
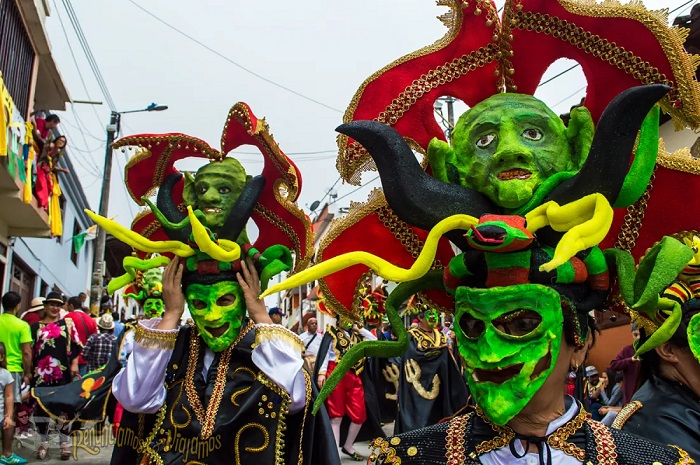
[(580, 135), (275, 259), (644, 161), (439, 153), (188, 193), (383, 349)]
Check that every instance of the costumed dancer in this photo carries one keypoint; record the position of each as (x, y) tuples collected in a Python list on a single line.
[(665, 307), (348, 397), (529, 272), (431, 386)]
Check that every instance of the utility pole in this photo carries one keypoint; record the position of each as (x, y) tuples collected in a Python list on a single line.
[(98, 258), (450, 116)]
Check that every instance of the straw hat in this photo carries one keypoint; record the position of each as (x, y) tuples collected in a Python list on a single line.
[(36, 305), (106, 322)]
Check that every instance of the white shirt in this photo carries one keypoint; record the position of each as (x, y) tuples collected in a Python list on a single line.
[(140, 386), (315, 344), (505, 457)]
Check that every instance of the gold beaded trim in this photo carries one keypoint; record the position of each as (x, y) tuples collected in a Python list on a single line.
[(455, 451), (433, 339), (632, 222), (559, 438), (680, 160), (381, 450), (284, 410), (626, 413), (504, 435), (277, 333), (208, 419), (146, 445), (684, 458), (237, 441), (307, 386), (604, 443), (154, 339)]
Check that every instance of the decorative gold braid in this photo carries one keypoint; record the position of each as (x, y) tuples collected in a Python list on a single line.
[(504, 435), (632, 223), (454, 447), (683, 457), (272, 218), (284, 410), (626, 413), (208, 419), (559, 438), (146, 445), (604, 443), (307, 385), (427, 340), (671, 39), (353, 155), (680, 160), (237, 440), (382, 450), (277, 333), (154, 339)]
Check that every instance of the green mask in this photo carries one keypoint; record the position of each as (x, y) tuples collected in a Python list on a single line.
[(153, 307), (509, 339), (215, 189), (345, 323), (432, 317), (508, 144), (693, 333), (217, 311)]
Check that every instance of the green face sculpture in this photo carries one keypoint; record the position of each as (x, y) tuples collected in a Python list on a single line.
[(693, 333), (507, 145), (432, 317), (153, 307), (509, 339), (218, 311), (152, 280), (215, 189), (345, 323)]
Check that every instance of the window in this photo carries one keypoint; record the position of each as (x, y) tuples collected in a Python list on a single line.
[(73, 252), (22, 281), (16, 55)]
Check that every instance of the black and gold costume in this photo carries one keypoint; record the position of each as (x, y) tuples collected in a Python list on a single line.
[(236, 413), (431, 386), (664, 411), (463, 439)]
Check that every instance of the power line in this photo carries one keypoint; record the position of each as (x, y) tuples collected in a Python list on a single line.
[(354, 190), (201, 44), (683, 5)]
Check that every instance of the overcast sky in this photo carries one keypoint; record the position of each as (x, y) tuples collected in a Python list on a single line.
[(321, 49)]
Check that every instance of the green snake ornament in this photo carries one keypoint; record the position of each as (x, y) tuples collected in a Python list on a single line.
[(384, 349)]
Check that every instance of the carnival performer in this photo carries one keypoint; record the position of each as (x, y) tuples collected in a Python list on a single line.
[(431, 386), (666, 408), (348, 398), (230, 388)]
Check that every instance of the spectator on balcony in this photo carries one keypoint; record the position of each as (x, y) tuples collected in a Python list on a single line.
[(46, 180), (43, 125)]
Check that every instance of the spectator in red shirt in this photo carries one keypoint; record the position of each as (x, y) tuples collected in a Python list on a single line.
[(85, 326), (35, 312), (629, 366), (43, 127)]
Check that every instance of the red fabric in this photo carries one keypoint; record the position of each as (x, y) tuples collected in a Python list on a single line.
[(31, 317), (41, 128), (84, 330), (42, 186), (348, 398), (116, 421), (242, 127)]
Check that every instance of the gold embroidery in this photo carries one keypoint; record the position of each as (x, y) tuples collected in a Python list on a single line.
[(146, 445), (413, 375), (284, 410), (683, 457), (604, 443), (240, 392), (383, 453), (680, 160), (307, 385), (277, 333), (184, 409), (413, 450), (392, 374), (455, 452), (154, 339), (504, 435), (626, 413), (207, 419), (427, 340), (559, 438), (395, 441), (248, 448)]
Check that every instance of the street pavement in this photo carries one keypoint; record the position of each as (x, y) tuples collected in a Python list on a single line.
[(101, 451)]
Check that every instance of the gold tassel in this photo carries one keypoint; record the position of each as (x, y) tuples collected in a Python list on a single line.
[(151, 339)]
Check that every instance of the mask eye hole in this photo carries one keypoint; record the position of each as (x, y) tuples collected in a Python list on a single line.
[(485, 140), (226, 300), (518, 323), (199, 304), (471, 327)]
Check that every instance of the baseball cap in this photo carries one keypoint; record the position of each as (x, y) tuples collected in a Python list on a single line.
[(275, 311), (591, 370)]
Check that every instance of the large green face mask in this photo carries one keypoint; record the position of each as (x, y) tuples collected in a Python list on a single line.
[(509, 339), (218, 311), (153, 308), (693, 332)]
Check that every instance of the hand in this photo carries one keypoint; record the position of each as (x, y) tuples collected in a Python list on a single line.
[(250, 283), (355, 328), (173, 297), (321, 381), (603, 410), (27, 379), (7, 423), (74, 369)]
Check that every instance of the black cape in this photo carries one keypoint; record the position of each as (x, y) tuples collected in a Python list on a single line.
[(664, 411), (428, 403), (250, 425)]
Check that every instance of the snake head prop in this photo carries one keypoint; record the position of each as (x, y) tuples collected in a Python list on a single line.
[(503, 233)]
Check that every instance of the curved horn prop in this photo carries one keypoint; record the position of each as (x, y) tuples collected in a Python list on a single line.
[(608, 160), (168, 208), (242, 209), (416, 197)]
